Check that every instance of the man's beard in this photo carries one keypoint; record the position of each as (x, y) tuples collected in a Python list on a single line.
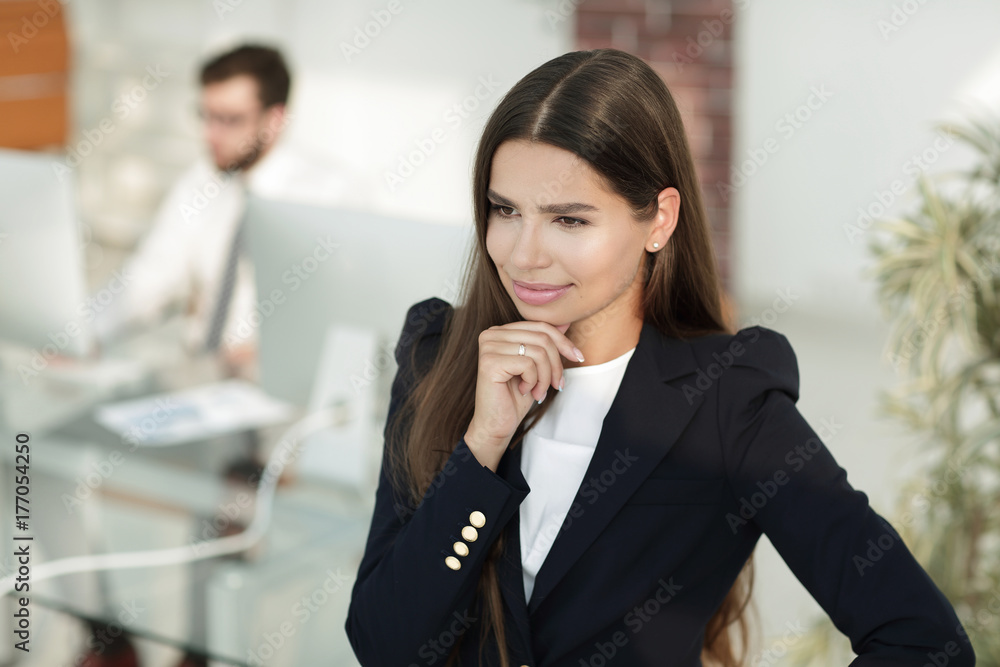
[(247, 160)]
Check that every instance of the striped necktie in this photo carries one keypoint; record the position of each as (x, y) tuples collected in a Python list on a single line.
[(225, 289)]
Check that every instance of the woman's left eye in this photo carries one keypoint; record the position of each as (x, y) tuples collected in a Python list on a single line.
[(572, 222)]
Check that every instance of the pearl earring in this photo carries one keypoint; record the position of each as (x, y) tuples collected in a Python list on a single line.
[(656, 245)]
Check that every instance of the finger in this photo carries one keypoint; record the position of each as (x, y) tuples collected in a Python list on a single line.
[(543, 356), (541, 337), (504, 367), (561, 341), (529, 375)]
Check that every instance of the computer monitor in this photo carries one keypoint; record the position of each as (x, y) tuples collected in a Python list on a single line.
[(335, 266), (42, 281)]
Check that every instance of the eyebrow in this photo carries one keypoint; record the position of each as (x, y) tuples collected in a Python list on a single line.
[(557, 209)]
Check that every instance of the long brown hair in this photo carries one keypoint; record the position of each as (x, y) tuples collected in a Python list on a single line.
[(611, 109)]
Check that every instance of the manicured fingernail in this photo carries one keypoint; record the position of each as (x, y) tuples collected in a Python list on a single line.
[(562, 383), (542, 398), (578, 353)]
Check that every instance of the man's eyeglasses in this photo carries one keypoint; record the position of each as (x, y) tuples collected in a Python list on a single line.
[(227, 121)]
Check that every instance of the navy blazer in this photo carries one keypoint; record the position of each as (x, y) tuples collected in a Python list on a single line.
[(701, 451)]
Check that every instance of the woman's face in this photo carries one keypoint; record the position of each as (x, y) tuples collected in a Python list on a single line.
[(552, 223)]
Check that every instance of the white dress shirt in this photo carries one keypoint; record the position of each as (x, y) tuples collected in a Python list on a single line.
[(556, 453), (181, 260)]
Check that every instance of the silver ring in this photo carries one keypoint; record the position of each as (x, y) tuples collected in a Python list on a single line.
[(520, 350)]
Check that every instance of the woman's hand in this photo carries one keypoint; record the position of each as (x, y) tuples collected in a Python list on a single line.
[(508, 383)]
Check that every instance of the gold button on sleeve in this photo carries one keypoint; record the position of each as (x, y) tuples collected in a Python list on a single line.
[(469, 534), (453, 562), (461, 549), (477, 519)]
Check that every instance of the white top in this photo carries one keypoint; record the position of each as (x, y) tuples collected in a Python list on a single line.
[(555, 455), (181, 259)]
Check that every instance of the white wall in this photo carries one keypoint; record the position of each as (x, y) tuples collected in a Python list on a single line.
[(886, 93)]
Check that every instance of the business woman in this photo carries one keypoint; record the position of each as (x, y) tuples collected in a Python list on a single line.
[(581, 457)]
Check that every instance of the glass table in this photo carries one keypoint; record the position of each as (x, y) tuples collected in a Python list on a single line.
[(284, 601)]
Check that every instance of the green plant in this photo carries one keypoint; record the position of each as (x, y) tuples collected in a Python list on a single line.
[(938, 277)]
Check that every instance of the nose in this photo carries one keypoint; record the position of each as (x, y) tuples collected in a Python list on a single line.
[(210, 132), (529, 247)]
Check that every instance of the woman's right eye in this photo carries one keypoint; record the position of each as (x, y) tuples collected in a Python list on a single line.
[(502, 211)]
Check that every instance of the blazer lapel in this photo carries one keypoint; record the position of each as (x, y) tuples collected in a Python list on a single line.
[(509, 570), (643, 423)]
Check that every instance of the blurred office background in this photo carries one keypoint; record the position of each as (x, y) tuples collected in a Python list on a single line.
[(801, 117)]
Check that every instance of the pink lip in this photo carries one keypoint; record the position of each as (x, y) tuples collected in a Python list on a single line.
[(538, 294)]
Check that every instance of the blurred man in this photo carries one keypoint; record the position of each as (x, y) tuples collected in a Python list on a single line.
[(192, 258)]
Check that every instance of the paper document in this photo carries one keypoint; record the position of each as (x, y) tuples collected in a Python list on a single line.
[(192, 414)]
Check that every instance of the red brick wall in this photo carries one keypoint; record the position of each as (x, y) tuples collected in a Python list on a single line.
[(689, 44)]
